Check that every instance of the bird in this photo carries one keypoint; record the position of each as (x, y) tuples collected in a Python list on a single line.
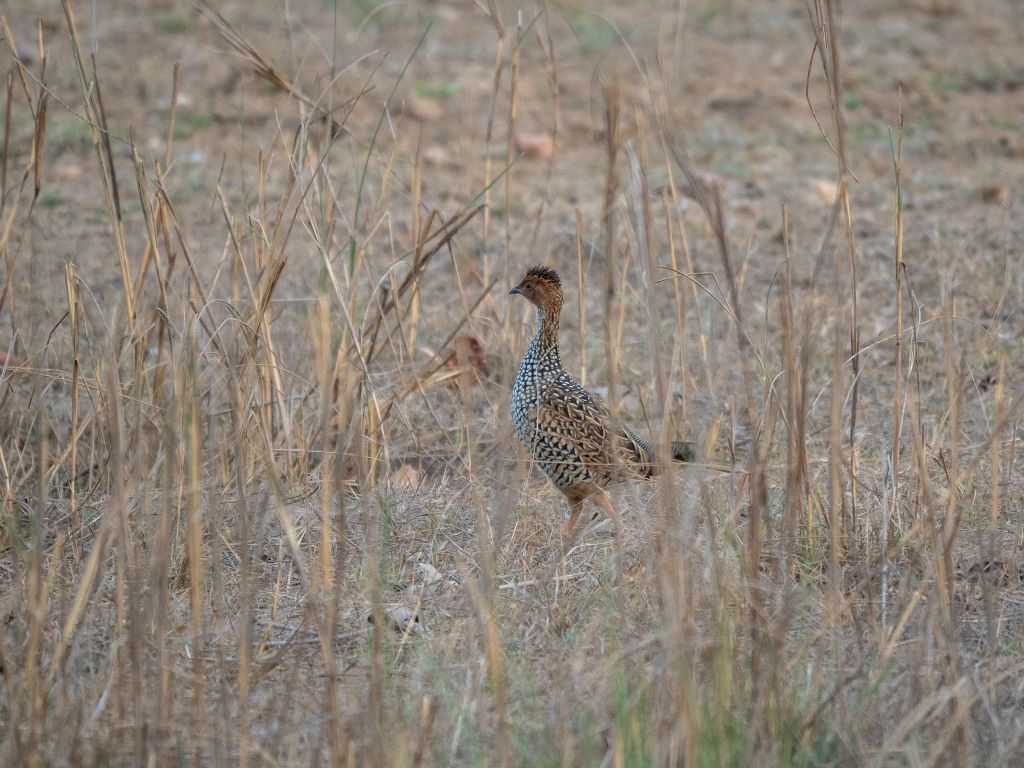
[(568, 430)]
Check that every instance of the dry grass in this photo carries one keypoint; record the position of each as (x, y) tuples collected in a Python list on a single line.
[(253, 515)]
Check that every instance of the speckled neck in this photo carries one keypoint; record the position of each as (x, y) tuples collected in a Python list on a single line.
[(545, 339)]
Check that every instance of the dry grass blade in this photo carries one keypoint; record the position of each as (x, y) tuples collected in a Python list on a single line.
[(613, 145), (8, 36), (8, 105), (39, 137), (104, 138), (104, 156), (425, 250), (437, 360), (266, 69)]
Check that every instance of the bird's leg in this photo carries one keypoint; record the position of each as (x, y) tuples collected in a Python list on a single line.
[(574, 515), (605, 503)]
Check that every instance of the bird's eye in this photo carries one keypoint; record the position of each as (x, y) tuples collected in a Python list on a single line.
[(528, 286)]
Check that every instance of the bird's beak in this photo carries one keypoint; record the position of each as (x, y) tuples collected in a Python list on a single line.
[(515, 290)]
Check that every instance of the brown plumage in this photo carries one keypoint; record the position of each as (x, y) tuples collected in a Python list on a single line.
[(569, 431)]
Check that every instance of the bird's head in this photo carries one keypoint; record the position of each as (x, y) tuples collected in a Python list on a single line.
[(542, 287)]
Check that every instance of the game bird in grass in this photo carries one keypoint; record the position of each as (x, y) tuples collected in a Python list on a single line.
[(569, 431)]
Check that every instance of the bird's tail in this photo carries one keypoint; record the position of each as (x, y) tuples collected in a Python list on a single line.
[(683, 451), (641, 454)]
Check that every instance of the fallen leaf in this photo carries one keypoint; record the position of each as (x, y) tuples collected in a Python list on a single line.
[(423, 109), (535, 146), (401, 619), (430, 574), (469, 357), (827, 190), (434, 155)]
